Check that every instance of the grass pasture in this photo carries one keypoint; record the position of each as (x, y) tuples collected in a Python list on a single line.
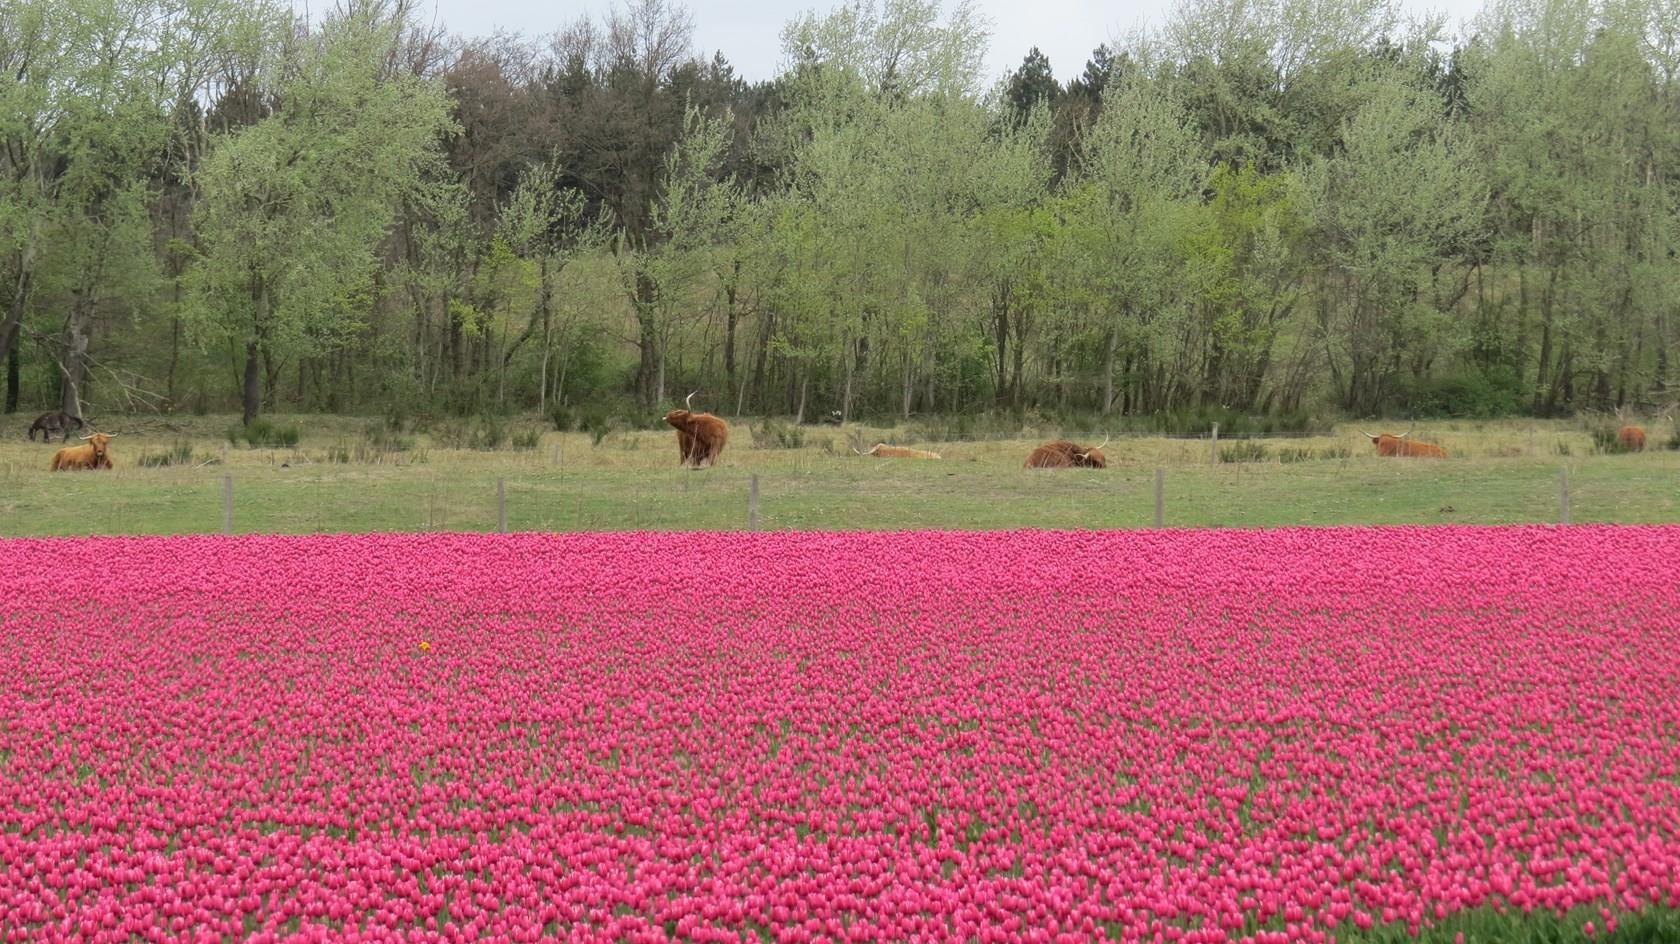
[(339, 478)]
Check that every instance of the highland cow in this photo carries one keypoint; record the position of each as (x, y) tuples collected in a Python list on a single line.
[(1389, 445), (700, 436), (1065, 454), (884, 451), (55, 421), (93, 455)]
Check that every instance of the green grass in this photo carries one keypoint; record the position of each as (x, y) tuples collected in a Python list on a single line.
[(563, 482), (1485, 926)]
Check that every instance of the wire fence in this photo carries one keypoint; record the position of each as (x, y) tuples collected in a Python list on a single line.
[(232, 503)]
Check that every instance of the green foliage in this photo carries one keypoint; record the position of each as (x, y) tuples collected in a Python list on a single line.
[(1606, 441), (324, 172), (263, 432), (181, 453), (1305, 454), (775, 434), (1274, 208), (1482, 394), (386, 438), (378, 446), (525, 440), (484, 433), (1245, 451)]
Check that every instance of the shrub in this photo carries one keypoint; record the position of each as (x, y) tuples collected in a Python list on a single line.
[(486, 433), (526, 439), (179, 454), (1496, 392), (385, 440), (1244, 451), (1336, 452), (1606, 441), (775, 434), (263, 431), (1294, 454), (377, 445), (563, 417)]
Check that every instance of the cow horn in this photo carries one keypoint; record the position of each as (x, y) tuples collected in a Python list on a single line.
[(1408, 431), (1087, 453), (1369, 436), (88, 436), (688, 402)]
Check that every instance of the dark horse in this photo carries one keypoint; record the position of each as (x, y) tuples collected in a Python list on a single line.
[(56, 421)]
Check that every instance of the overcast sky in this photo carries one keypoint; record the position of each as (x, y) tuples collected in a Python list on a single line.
[(748, 32)]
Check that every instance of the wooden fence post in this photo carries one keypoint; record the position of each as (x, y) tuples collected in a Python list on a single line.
[(1160, 505), (501, 506), (1216, 444), (752, 505), (1563, 491), (227, 504)]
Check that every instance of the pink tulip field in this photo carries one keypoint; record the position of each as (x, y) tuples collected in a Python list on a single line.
[(1196, 736)]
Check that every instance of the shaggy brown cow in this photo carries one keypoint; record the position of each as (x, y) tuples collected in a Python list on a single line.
[(93, 455), (1632, 438), (1065, 454), (884, 451), (54, 421), (1389, 444), (700, 436)]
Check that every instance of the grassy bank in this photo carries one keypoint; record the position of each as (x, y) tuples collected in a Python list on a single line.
[(344, 475)]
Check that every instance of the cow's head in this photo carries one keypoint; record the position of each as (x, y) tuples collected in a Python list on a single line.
[(684, 418), (98, 441), (1378, 438), (1093, 457)]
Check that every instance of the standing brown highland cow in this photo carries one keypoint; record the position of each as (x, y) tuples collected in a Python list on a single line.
[(700, 436)]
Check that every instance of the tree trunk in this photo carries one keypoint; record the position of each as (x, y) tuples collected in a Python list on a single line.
[(804, 388), (12, 371), (846, 395), (1108, 371), (9, 328), (252, 386), (174, 345), (650, 371), (732, 318), (1000, 332), (251, 389), (547, 289), (271, 381), (75, 353)]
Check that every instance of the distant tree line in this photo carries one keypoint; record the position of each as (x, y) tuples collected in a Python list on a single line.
[(1273, 207)]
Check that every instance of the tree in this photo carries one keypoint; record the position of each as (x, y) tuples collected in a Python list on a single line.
[(87, 114), (295, 206), (544, 222), (1140, 173), (1389, 212), (1031, 86)]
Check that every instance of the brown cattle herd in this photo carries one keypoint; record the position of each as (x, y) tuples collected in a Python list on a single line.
[(701, 437)]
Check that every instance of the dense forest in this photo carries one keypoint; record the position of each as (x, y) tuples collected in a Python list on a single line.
[(1281, 207)]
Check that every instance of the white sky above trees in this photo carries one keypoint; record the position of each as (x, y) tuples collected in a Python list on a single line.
[(748, 32)]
